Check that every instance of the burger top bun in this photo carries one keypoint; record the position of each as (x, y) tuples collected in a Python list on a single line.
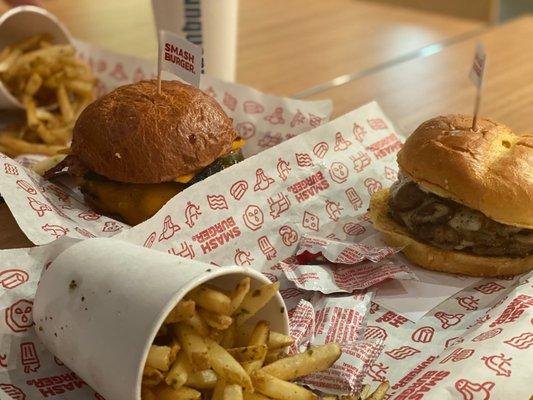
[(133, 134), (490, 169)]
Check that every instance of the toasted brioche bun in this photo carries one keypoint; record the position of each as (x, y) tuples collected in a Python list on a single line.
[(431, 257), (490, 170), (133, 134)]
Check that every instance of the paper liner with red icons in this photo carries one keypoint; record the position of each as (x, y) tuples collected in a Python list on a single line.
[(333, 266), (475, 345), (46, 211)]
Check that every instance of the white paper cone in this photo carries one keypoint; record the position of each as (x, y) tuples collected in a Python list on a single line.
[(21, 23), (99, 305)]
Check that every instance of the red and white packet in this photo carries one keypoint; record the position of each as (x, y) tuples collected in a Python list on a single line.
[(46, 211), (326, 319), (331, 266)]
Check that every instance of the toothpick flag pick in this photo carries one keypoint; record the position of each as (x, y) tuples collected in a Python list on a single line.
[(477, 73), (179, 57)]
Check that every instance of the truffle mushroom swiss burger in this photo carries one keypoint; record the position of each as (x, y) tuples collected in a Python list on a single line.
[(463, 201), (134, 149)]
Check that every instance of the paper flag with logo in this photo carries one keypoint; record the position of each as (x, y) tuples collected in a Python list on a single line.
[(180, 57)]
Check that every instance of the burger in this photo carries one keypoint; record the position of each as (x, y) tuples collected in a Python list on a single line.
[(134, 149), (463, 201)]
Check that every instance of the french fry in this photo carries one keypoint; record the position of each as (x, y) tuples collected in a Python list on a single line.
[(183, 393), (64, 103), (147, 394), (313, 360), (228, 337), (258, 337), (254, 396), (380, 392), (238, 294), (177, 376), (274, 355), (232, 392), (214, 320), (158, 357), (152, 376), (31, 111), (218, 391), (365, 391), (276, 340), (46, 135), (174, 349), (279, 389), (10, 60), (254, 301), (249, 353), (194, 346), (83, 88), (16, 146), (212, 300), (260, 334), (28, 43), (33, 84), (181, 312), (202, 380), (226, 366), (198, 324)]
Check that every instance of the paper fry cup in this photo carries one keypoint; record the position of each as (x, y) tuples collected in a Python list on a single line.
[(101, 302), (21, 23)]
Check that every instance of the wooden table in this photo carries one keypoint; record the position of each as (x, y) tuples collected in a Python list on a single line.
[(284, 46), (410, 92), (416, 90)]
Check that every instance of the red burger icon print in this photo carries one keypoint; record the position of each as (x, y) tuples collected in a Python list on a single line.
[(18, 315), (12, 278)]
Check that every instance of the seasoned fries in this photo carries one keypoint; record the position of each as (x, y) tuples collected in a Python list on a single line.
[(52, 85), (206, 350)]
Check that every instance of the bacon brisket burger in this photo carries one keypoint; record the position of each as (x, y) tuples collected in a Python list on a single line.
[(463, 202), (134, 149)]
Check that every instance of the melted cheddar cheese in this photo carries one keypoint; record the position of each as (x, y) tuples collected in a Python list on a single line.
[(134, 202)]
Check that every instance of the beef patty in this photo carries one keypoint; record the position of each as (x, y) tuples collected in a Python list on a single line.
[(449, 225)]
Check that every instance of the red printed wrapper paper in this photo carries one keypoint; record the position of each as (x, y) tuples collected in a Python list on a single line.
[(343, 266), (47, 211)]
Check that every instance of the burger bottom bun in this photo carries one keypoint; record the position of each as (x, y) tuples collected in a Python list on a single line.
[(434, 258)]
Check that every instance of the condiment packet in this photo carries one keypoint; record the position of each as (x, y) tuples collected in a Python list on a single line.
[(349, 371), (331, 266), (46, 211), (371, 248), (327, 319)]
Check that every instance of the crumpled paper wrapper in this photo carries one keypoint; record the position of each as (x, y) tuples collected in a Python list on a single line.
[(331, 266), (46, 211)]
